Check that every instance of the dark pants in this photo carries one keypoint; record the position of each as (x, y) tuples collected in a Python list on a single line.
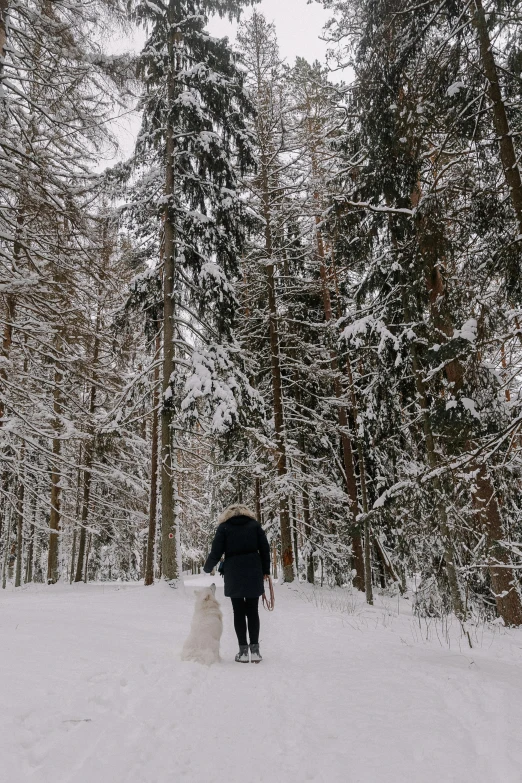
[(246, 609)]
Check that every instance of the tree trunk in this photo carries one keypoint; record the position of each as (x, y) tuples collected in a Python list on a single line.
[(6, 555), (6, 475), (53, 571), (168, 486), (503, 580), (29, 559), (507, 150), (342, 416), (4, 7), (364, 494), (368, 562), (10, 301), (295, 534), (32, 533), (76, 516), (258, 501), (87, 558), (277, 388), (31, 512), (281, 460), (151, 539), (73, 553), (20, 527), (87, 475), (7, 341), (89, 454), (310, 568), (387, 565), (351, 486)]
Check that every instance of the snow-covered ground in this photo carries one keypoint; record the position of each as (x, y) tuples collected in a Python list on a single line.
[(93, 691)]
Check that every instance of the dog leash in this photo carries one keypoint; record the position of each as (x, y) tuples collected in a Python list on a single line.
[(269, 603)]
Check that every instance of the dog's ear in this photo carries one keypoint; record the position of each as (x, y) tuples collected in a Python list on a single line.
[(213, 588)]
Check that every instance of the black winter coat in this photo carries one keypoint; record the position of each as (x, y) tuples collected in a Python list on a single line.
[(247, 556)]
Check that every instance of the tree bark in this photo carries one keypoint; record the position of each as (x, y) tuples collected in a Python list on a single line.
[(4, 7), (32, 532), (20, 512), (293, 520), (387, 565), (368, 562), (507, 150), (359, 581), (503, 579), (91, 442), (19, 527), (53, 571), (6, 475), (89, 454), (30, 541), (310, 567), (6, 554), (7, 341), (277, 386), (168, 486), (29, 559), (87, 474), (364, 495), (258, 501), (73, 553), (10, 303), (151, 539), (76, 514), (87, 558), (281, 459)]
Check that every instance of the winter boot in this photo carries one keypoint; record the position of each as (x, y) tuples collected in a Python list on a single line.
[(255, 655), (242, 656)]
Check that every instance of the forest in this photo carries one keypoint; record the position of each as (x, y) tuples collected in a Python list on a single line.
[(302, 292)]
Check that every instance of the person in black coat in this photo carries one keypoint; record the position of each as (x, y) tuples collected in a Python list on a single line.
[(242, 540)]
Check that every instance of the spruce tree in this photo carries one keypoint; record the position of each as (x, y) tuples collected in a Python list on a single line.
[(193, 133), (410, 178)]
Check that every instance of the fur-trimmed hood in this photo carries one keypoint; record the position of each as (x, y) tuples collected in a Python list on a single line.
[(237, 510)]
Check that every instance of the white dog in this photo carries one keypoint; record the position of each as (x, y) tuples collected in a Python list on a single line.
[(202, 644)]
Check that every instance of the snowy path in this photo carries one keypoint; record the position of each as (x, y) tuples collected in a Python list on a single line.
[(93, 691)]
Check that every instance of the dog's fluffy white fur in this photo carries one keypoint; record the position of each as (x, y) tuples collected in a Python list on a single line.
[(202, 644)]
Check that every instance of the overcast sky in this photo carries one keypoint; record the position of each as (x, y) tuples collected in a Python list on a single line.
[(298, 25)]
